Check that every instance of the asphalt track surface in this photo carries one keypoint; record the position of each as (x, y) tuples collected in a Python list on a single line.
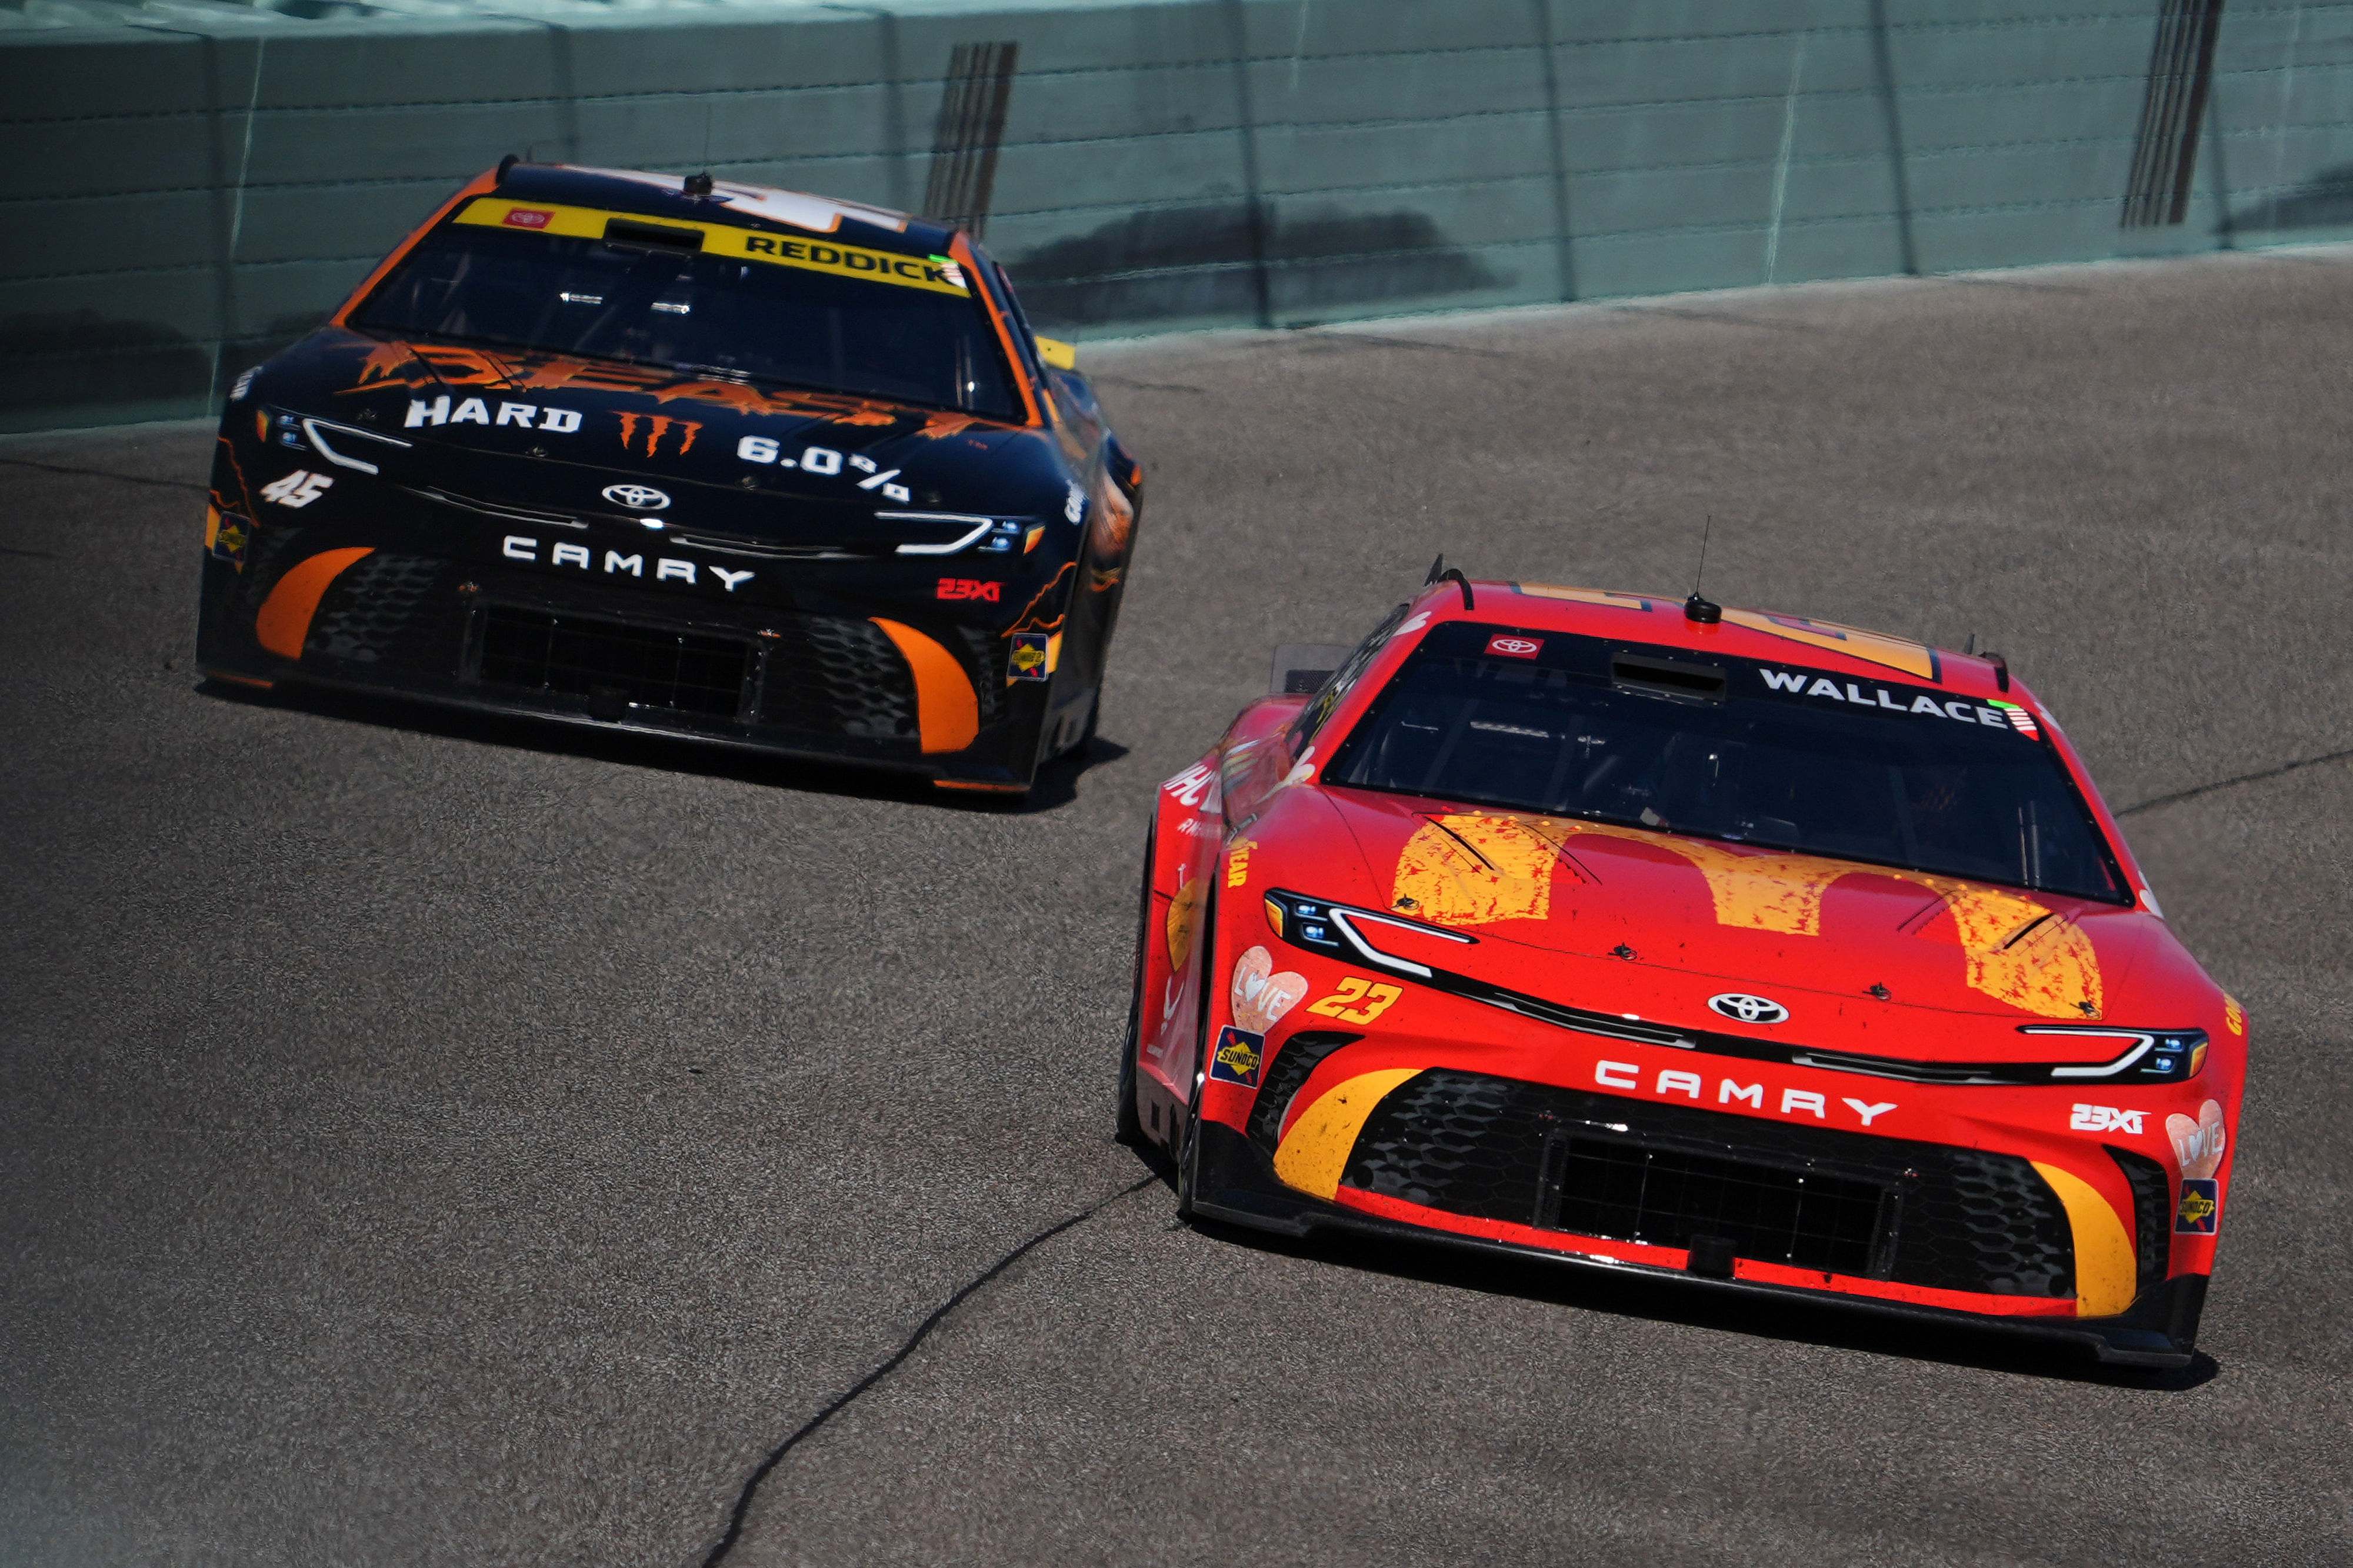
[(431, 1141)]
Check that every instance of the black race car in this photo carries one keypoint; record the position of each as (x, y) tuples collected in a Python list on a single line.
[(687, 457)]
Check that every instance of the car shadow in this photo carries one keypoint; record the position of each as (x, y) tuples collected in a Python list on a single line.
[(1830, 1323), (1056, 785)]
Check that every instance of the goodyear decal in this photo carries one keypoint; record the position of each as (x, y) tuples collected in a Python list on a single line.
[(936, 275)]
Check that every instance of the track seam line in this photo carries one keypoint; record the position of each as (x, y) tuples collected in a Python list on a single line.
[(2284, 768), (809, 1428), (103, 474)]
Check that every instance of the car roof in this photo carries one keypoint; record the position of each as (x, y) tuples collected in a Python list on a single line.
[(768, 208), (1767, 636)]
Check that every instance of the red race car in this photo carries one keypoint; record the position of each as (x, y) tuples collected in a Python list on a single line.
[(1777, 955)]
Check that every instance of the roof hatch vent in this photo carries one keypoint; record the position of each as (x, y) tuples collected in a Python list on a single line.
[(1667, 677)]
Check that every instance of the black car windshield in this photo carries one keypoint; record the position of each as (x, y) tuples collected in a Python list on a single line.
[(1891, 773), (662, 305)]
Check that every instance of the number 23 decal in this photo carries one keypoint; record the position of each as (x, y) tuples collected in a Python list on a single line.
[(1376, 998)]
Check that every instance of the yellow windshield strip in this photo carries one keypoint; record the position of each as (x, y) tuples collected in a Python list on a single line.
[(727, 242)]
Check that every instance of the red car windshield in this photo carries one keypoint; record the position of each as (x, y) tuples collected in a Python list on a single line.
[(1776, 756)]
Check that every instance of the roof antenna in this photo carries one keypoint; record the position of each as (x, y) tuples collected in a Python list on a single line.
[(698, 184), (1437, 570), (1696, 608), (1972, 649)]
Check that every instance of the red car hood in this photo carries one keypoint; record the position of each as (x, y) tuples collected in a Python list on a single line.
[(1602, 916)]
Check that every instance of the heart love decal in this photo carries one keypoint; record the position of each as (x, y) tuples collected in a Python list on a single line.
[(2199, 1144), (1261, 996)]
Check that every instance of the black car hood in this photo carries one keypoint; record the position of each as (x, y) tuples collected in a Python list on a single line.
[(535, 436)]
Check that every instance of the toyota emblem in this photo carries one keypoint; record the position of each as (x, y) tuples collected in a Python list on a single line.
[(1749, 1009), (1510, 647), (636, 497)]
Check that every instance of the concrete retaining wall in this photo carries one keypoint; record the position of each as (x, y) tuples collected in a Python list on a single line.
[(192, 182)]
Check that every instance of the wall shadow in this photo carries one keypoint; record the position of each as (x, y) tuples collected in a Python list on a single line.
[(1200, 261), (1056, 785), (2326, 201)]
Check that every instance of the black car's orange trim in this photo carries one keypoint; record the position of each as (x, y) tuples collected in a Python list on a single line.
[(947, 709), (482, 184), (284, 623), (961, 248)]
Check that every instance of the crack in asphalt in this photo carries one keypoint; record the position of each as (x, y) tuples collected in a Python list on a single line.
[(809, 1428), (2180, 796), (105, 474)]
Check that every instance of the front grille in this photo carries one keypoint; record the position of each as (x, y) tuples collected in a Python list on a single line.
[(2152, 1192), (1295, 1059), (574, 656), (830, 675), (389, 610), (1666, 1196), (1814, 1197)]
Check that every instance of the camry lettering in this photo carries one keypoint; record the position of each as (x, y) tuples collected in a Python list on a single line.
[(522, 547), (474, 411), (1729, 1091), (2105, 1119)]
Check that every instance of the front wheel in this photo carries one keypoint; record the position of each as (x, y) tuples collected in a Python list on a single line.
[(1189, 1152), (1128, 1123)]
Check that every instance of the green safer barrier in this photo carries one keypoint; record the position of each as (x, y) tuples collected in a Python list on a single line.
[(192, 182)]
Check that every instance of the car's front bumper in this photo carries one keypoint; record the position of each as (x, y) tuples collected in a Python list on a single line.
[(1234, 1180), (907, 686)]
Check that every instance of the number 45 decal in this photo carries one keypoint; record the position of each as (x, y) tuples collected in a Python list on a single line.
[(1377, 998), (297, 489)]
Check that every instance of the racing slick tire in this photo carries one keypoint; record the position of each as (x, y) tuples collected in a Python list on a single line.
[(1187, 1152), (1128, 1122)]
